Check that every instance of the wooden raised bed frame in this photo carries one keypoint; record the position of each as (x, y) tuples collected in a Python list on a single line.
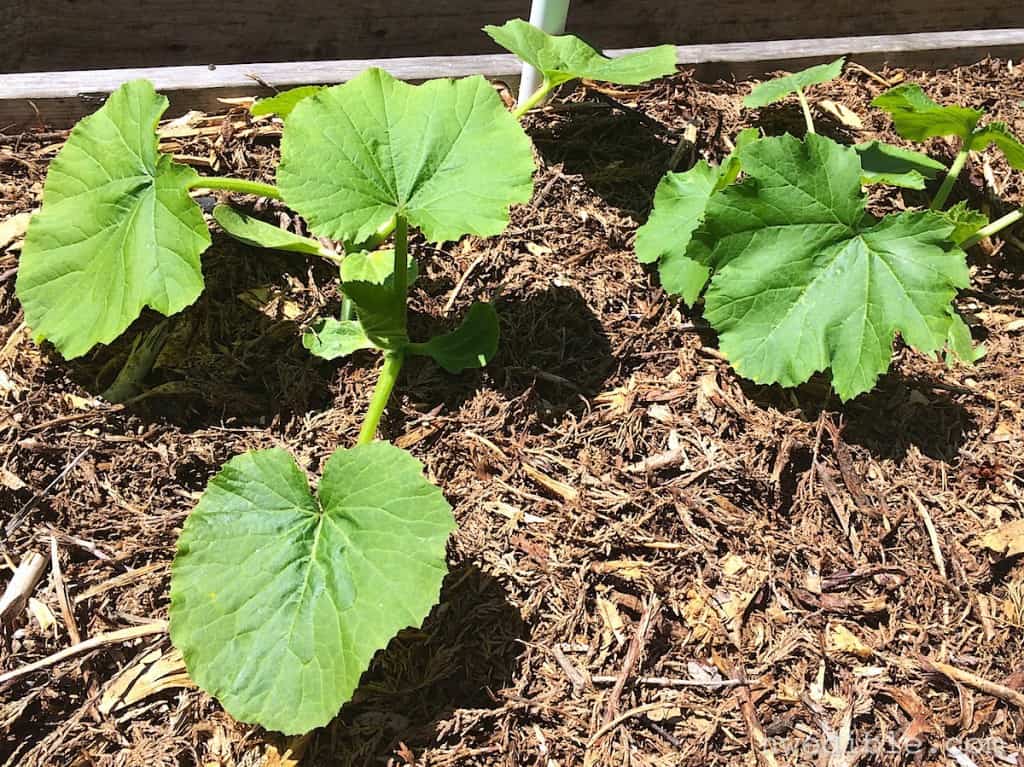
[(58, 99)]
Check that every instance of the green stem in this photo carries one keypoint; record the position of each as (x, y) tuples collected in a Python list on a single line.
[(401, 270), (236, 185), (542, 92), (807, 110), (947, 183), (995, 227), (381, 395)]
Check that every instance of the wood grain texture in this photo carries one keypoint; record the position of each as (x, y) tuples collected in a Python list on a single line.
[(50, 35), (57, 99)]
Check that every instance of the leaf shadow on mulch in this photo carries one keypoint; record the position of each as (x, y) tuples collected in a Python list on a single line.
[(466, 651)]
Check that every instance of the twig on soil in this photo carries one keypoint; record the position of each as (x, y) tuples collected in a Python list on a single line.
[(606, 728), (636, 647), (758, 738), (933, 535), (94, 643), (974, 681), (21, 586), (462, 281), (19, 518), (664, 681), (60, 588)]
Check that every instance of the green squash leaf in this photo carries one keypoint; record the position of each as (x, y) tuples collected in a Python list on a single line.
[(805, 280), (680, 201), (471, 345), (330, 338), (283, 103), (375, 266), (260, 234), (117, 230), (560, 58), (775, 90), (965, 221), (883, 163), (997, 133), (279, 599), (380, 314), (916, 117), (447, 155)]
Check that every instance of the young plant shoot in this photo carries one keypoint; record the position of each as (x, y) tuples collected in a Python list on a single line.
[(561, 58), (797, 276), (917, 118), (280, 596)]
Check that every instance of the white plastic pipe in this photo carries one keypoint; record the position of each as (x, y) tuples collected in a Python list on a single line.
[(550, 16)]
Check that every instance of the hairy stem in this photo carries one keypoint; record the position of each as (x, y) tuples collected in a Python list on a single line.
[(236, 185), (995, 227), (542, 92), (947, 183), (806, 109), (393, 359), (381, 394)]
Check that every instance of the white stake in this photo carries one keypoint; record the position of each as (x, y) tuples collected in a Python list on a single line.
[(550, 16)]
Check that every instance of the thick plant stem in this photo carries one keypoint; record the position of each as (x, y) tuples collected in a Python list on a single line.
[(143, 355), (381, 394), (947, 183), (236, 185), (542, 92), (994, 228), (806, 109), (401, 270)]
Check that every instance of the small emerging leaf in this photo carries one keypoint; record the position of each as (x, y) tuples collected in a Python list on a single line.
[(805, 280), (916, 117), (997, 133), (775, 90), (471, 345), (331, 338), (279, 599), (283, 103), (566, 57), (731, 165), (966, 221), (447, 155), (883, 163), (375, 266), (260, 234), (117, 230)]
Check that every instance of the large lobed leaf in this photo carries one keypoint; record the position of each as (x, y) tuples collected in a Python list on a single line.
[(447, 155), (775, 90), (560, 58), (805, 280), (117, 230), (279, 599)]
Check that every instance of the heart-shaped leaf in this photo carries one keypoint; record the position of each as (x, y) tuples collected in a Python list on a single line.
[(883, 163), (775, 90), (279, 599), (804, 280), (471, 345), (446, 155), (260, 234), (330, 338), (283, 103), (917, 117), (560, 58), (117, 230)]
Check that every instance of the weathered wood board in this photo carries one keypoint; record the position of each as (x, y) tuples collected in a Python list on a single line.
[(52, 35)]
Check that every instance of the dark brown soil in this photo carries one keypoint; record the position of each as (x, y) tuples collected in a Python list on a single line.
[(826, 556)]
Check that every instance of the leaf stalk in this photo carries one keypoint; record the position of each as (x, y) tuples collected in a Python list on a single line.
[(806, 110), (995, 227), (947, 183), (542, 93), (239, 185), (381, 394)]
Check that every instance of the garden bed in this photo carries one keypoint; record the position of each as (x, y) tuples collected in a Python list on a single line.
[(630, 512)]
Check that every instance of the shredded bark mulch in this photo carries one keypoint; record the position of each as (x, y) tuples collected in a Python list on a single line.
[(657, 562)]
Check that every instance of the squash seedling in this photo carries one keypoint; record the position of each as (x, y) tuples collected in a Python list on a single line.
[(917, 118), (280, 597), (797, 277)]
